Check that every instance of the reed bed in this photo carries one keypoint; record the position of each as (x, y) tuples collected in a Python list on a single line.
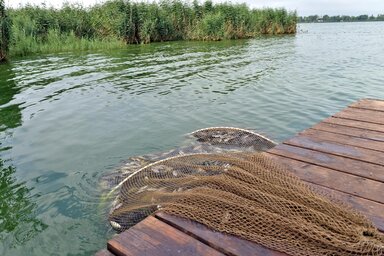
[(5, 32), (115, 23)]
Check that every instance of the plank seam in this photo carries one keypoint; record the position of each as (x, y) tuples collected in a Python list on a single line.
[(365, 177), (366, 108), (345, 143), (367, 129), (345, 192), (342, 133), (113, 249), (371, 99), (202, 240), (334, 154), (364, 121)]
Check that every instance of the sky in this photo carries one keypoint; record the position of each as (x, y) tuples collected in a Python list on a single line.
[(303, 7)]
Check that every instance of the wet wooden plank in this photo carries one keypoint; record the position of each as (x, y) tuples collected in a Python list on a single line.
[(341, 156), (355, 124), (345, 139), (372, 210), (104, 252), (228, 244), (154, 237), (365, 115), (350, 131), (377, 105), (324, 143), (329, 178), (347, 165)]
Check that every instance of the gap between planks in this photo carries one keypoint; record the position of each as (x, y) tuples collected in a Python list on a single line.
[(155, 237), (369, 104), (365, 115), (314, 140), (334, 162), (354, 124), (161, 217), (348, 140), (367, 206), (225, 243), (353, 185), (331, 147), (349, 131)]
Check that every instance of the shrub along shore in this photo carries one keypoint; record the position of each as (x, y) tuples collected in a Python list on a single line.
[(115, 23)]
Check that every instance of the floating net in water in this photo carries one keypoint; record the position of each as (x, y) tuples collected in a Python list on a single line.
[(208, 140), (248, 195)]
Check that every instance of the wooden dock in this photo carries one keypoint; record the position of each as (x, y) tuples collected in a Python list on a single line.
[(342, 155)]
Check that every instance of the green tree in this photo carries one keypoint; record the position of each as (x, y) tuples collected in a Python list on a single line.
[(362, 18), (5, 32)]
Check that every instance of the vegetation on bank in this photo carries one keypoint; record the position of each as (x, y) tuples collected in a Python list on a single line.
[(340, 18), (37, 29), (5, 32)]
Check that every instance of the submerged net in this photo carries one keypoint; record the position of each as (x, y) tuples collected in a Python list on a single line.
[(208, 140), (248, 195)]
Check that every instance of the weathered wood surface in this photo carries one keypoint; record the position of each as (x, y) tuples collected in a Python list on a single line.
[(355, 124), (351, 184), (369, 104), (154, 237), (330, 161), (342, 156), (227, 244), (368, 136), (365, 115), (372, 143)]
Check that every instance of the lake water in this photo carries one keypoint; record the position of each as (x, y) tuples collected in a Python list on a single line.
[(67, 119)]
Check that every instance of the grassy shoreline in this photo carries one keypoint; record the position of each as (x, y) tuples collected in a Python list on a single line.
[(115, 23)]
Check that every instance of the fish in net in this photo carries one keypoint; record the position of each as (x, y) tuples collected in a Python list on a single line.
[(207, 140), (245, 193), (237, 138)]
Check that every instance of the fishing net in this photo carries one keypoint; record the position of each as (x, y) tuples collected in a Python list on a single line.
[(207, 140), (248, 195)]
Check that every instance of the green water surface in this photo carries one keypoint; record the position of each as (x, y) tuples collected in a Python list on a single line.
[(67, 119)]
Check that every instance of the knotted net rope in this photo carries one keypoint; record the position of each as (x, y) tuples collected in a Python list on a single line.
[(248, 195)]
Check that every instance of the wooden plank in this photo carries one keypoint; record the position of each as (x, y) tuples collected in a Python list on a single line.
[(355, 124), (332, 179), (225, 243), (347, 165), (341, 156), (365, 115), (372, 210), (326, 145), (350, 131), (154, 237), (104, 252), (377, 105), (345, 139)]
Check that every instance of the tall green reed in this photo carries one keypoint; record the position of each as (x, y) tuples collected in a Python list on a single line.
[(37, 29), (5, 32)]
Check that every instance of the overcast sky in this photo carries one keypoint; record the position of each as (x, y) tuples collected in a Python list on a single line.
[(303, 7)]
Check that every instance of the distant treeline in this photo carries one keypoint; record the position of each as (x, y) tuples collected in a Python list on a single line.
[(117, 22), (340, 18)]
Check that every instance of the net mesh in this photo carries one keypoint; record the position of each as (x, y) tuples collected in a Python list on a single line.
[(208, 140), (244, 193)]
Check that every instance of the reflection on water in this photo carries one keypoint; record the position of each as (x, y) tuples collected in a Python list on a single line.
[(67, 119), (18, 223), (10, 115)]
